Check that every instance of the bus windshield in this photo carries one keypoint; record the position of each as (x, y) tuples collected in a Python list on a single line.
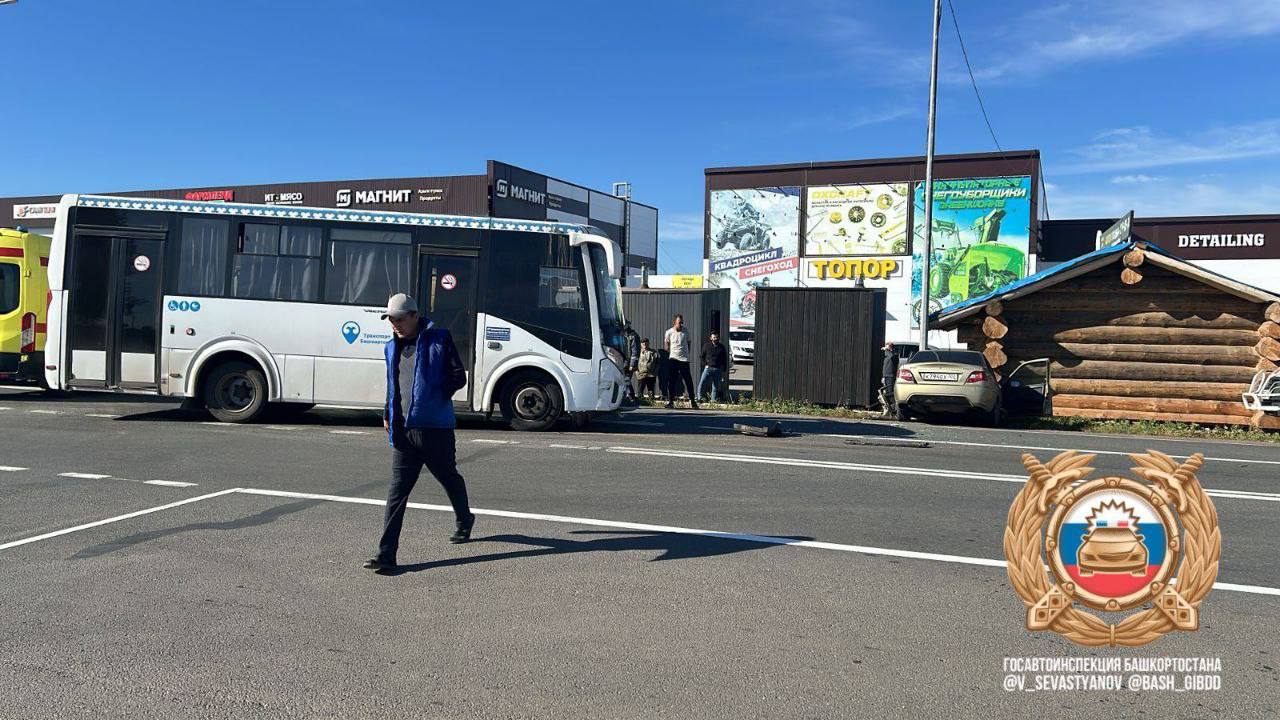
[(609, 306)]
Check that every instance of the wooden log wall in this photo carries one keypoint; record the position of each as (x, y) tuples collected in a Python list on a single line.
[(1135, 341)]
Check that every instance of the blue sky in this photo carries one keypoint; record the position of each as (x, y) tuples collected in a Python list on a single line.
[(1168, 108)]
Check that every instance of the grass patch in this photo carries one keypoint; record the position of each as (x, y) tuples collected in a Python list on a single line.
[(1145, 427)]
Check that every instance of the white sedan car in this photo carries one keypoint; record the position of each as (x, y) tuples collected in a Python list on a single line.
[(742, 344)]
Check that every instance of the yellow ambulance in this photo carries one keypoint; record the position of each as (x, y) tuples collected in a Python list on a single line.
[(24, 304)]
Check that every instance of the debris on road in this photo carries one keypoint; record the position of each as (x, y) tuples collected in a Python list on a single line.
[(774, 429), (888, 443)]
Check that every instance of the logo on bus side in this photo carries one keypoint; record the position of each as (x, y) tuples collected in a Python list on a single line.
[(351, 331), (184, 305)]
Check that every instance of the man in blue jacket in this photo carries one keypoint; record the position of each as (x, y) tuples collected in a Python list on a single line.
[(423, 372)]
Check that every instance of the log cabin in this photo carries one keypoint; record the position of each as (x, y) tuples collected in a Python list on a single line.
[(1131, 332)]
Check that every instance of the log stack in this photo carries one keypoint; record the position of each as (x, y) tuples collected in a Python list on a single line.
[(1133, 340)]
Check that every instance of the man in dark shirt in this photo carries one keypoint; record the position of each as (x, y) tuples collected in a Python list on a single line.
[(889, 370), (715, 362)]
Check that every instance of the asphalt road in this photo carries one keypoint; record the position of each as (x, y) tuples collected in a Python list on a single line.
[(609, 576)]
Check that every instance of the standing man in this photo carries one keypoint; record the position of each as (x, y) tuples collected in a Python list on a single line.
[(423, 372), (676, 342), (715, 362), (633, 359), (889, 373), (647, 369)]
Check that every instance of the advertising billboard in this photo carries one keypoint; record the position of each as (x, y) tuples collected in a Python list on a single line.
[(754, 242), (981, 238), (857, 220)]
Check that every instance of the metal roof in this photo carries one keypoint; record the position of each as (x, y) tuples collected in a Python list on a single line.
[(1092, 261), (294, 212)]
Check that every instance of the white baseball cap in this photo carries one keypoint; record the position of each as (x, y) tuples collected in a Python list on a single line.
[(399, 305)]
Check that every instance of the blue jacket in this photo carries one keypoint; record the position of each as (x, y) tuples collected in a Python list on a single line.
[(437, 374)]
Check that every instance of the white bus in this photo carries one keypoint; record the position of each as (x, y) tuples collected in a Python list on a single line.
[(237, 306)]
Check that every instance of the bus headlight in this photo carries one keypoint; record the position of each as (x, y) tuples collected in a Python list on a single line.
[(616, 358)]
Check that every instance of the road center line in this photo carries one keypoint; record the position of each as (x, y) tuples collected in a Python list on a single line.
[(348, 432), (747, 537), (84, 476), (118, 518), (168, 483), (11, 468), (894, 469), (495, 442), (101, 415), (1035, 447), (46, 412)]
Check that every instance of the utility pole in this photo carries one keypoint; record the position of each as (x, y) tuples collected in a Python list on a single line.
[(927, 255)]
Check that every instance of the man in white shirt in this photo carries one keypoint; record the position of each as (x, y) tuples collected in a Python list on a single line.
[(676, 343)]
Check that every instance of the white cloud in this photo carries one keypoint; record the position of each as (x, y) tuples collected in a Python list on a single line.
[(1138, 147), (839, 122), (1169, 199), (681, 227), (1134, 179)]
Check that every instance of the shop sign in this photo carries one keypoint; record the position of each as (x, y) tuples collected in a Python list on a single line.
[(431, 195), (850, 268), (347, 197), (283, 198), (1119, 232), (37, 211), (211, 195), (769, 268), (686, 281)]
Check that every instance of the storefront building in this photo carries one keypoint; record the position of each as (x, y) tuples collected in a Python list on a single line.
[(1245, 248), (836, 224), (503, 191)]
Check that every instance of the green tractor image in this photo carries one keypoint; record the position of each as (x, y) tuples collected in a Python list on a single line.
[(968, 271)]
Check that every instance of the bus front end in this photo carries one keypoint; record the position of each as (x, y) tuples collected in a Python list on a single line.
[(605, 270)]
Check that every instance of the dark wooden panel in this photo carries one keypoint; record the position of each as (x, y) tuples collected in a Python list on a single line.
[(819, 345)]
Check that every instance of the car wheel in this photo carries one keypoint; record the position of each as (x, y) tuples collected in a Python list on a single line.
[(532, 401), (236, 392)]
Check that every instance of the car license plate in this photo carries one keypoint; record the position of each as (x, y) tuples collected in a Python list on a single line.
[(945, 377)]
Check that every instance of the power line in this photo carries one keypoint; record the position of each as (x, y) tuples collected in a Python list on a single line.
[(955, 22)]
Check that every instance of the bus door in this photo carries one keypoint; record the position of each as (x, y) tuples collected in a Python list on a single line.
[(447, 285), (114, 316)]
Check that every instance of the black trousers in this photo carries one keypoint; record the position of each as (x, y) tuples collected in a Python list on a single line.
[(678, 374), (435, 449)]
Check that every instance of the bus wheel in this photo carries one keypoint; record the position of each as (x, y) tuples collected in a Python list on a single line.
[(531, 401), (236, 392)]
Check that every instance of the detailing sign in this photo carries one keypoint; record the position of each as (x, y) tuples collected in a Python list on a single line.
[(35, 212), (211, 195), (497, 333)]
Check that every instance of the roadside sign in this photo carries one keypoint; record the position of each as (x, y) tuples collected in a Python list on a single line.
[(1119, 232)]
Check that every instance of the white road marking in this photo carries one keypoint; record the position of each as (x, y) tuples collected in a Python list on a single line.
[(6, 408), (592, 522), (101, 415), (46, 412), (11, 468), (348, 432), (218, 424), (1036, 447), (747, 537), (895, 469), (118, 518), (83, 476), (568, 447), (169, 483), (496, 442), (281, 427), (830, 464)]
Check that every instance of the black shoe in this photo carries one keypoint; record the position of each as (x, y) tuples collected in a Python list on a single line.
[(694, 405), (463, 532), (379, 566), (670, 405)]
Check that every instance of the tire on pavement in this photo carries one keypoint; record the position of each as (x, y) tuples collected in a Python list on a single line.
[(236, 392), (531, 400)]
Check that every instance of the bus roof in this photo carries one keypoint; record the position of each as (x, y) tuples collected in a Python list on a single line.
[(294, 212)]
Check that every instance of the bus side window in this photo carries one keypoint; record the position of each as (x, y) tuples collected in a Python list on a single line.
[(365, 267), (202, 262), (277, 263)]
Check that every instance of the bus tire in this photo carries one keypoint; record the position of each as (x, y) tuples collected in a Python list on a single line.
[(531, 400), (236, 392)]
